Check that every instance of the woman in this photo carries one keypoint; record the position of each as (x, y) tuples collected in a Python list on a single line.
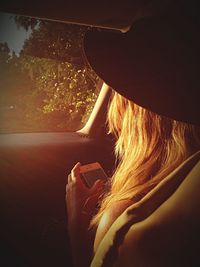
[(149, 147), (156, 66)]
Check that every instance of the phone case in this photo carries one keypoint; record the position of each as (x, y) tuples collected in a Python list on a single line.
[(90, 173)]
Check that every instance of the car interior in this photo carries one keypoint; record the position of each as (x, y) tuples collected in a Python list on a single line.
[(34, 164), (34, 169)]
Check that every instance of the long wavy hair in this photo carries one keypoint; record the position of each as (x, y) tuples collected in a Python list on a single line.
[(148, 147)]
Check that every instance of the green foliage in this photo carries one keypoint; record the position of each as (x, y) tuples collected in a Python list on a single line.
[(52, 87)]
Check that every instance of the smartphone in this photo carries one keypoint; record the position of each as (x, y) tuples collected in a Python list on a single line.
[(92, 172)]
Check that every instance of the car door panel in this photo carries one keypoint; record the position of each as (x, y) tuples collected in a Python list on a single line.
[(34, 168)]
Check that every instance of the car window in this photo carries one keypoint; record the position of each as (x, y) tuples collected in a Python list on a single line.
[(46, 83)]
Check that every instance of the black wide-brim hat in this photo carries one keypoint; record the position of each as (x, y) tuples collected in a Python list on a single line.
[(156, 64)]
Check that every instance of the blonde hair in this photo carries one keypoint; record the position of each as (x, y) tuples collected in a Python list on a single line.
[(148, 148)]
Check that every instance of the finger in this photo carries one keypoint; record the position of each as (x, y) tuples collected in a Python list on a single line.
[(67, 188), (78, 164), (69, 181), (75, 173), (69, 178)]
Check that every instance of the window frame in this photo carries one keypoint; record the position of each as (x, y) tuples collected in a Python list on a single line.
[(95, 126)]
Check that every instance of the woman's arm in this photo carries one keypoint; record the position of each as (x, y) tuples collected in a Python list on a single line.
[(81, 202)]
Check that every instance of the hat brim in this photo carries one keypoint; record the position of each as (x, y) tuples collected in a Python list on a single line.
[(155, 64)]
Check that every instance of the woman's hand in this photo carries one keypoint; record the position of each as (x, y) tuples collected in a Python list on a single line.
[(81, 200), (81, 203)]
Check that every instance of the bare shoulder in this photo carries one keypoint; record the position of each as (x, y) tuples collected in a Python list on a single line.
[(174, 226), (108, 218)]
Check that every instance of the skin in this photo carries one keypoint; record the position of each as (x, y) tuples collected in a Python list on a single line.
[(164, 225), (174, 226), (171, 223), (81, 202), (108, 218), (83, 240)]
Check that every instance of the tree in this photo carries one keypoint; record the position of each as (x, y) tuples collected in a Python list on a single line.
[(59, 87)]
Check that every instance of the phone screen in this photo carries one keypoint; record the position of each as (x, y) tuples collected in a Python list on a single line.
[(91, 173)]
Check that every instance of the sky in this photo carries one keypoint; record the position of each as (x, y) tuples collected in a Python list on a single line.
[(11, 34)]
